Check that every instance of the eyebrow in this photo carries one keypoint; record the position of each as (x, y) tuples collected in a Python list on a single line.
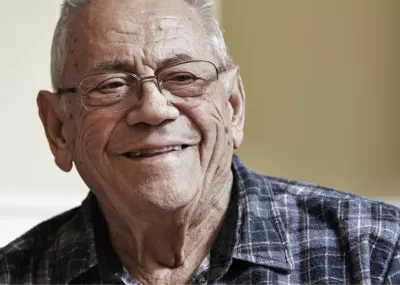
[(178, 58), (113, 65), (126, 66)]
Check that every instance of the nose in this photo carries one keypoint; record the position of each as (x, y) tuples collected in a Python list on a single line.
[(152, 107)]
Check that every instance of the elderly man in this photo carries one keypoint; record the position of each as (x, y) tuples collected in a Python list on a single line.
[(149, 108)]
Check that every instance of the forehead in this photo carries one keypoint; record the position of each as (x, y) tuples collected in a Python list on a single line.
[(138, 31)]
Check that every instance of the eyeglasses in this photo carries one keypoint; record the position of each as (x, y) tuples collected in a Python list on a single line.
[(121, 91)]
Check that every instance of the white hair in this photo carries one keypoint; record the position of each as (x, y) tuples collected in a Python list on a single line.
[(59, 47)]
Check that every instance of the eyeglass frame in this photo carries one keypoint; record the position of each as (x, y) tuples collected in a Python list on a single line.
[(141, 80)]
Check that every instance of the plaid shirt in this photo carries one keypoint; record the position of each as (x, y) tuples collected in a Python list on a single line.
[(276, 232)]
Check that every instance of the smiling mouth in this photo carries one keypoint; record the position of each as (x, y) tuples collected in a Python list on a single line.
[(155, 151)]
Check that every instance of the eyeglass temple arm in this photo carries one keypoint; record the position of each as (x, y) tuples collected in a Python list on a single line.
[(61, 91)]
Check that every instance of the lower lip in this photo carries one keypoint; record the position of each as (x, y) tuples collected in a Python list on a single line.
[(162, 156)]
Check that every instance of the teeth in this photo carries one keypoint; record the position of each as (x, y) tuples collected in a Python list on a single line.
[(155, 150), (134, 154)]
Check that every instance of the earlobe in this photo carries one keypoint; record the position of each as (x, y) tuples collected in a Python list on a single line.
[(237, 102), (52, 120)]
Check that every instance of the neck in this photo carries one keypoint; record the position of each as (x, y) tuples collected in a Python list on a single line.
[(170, 250)]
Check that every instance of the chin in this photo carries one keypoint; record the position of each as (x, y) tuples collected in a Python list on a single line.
[(167, 191), (161, 184)]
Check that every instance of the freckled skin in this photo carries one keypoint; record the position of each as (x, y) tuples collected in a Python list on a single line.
[(162, 217)]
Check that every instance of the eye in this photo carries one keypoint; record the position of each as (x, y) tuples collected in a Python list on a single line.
[(113, 84), (182, 77)]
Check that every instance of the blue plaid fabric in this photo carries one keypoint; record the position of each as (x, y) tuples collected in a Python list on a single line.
[(276, 232)]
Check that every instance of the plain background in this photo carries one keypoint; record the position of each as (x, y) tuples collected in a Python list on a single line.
[(323, 87), (323, 90), (32, 188), (26, 164)]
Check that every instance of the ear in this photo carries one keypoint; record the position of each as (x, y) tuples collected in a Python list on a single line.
[(236, 101), (53, 122)]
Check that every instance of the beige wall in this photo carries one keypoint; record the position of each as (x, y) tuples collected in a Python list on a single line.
[(323, 90), (26, 164)]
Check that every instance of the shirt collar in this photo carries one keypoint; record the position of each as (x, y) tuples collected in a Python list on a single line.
[(260, 235), (75, 251)]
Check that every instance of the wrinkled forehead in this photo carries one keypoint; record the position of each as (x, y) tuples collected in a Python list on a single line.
[(152, 29)]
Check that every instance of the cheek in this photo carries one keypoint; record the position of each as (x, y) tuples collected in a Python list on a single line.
[(211, 115), (214, 112), (92, 135)]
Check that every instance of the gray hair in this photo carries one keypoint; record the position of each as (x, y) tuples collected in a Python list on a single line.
[(60, 44)]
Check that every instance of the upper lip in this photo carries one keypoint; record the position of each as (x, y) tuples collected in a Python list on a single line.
[(150, 146)]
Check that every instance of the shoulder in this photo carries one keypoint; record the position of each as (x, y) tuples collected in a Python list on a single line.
[(362, 234), (318, 200), (295, 199), (29, 254), (322, 222), (308, 197)]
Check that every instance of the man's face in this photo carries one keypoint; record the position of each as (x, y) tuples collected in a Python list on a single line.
[(140, 35)]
